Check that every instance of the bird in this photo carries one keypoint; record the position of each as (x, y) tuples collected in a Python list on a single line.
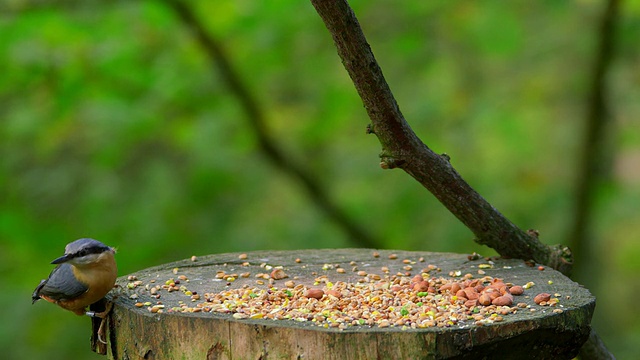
[(84, 275)]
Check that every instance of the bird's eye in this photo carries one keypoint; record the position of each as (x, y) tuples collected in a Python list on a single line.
[(88, 251)]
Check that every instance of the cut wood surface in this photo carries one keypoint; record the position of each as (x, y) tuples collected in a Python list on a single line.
[(532, 332)]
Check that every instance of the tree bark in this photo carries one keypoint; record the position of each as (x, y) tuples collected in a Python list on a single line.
[(401, 148)]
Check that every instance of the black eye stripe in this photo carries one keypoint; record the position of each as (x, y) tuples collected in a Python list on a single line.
[(90, 250)]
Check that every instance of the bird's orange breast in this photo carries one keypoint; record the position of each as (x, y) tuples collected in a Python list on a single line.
[(99, 277)]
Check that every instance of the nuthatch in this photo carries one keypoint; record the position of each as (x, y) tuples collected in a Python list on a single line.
[(85, 274)]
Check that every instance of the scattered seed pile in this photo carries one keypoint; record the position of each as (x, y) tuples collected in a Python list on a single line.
[(391, 300)]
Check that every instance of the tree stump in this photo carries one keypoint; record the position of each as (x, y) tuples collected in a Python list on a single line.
[(164, 313)]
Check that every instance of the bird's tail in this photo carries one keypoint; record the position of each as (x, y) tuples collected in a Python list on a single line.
[(36, 293)]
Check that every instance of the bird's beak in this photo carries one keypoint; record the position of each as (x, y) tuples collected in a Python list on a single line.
[(61, 259)]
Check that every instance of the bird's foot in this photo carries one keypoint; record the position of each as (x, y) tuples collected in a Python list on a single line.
[(102, 315)]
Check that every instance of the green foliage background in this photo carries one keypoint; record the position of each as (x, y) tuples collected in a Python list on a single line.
[(115, 125)]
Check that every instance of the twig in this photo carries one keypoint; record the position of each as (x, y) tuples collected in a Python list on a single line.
[(402, 148), (256, 118)]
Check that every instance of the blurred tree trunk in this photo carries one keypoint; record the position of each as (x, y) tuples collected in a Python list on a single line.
[(594, 167), (595, 156)]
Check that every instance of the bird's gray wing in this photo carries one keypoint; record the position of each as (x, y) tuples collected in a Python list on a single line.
[(61, 284)]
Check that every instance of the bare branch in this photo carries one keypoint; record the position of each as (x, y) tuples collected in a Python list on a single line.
[(267, 144), (402, 148)]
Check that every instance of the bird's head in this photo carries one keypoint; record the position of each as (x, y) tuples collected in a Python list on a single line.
[(84, 252)]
